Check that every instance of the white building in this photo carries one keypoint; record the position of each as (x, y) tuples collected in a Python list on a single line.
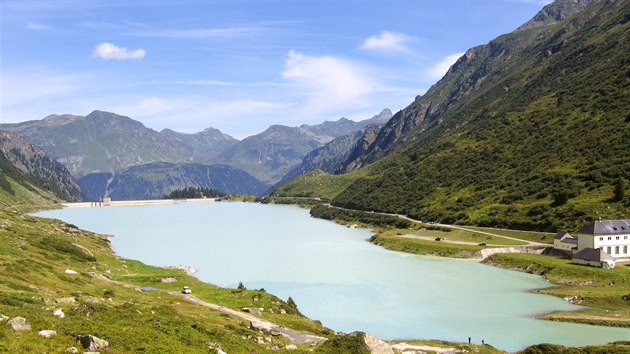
[(594, 258), (565, 242), (611, 236)]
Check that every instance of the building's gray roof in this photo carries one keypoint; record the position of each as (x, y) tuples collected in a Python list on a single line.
[(607, 227), (591, 254), (564, 235)]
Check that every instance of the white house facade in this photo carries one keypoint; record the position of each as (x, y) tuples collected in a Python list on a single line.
[(611, 236)]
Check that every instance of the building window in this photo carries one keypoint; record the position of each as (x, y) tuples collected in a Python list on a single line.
[(609, 238), (616, 238), (616, 249), (625, 249), (601, 239), (609, 250), (625, 237)]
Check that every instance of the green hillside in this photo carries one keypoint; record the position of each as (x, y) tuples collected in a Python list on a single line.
[(318, 184), (19, 192), (538, 140)]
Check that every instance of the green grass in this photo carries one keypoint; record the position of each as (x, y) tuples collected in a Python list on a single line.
[(391, 240), (34, 255), (468, 236), (606, 291), (319, 184), (542, 237)]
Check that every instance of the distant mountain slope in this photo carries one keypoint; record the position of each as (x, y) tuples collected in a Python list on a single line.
[(205, 145), (44, 171), (328, 158), (486, 68), (531, 130), (107, 142), (271, 154), (155, 180)]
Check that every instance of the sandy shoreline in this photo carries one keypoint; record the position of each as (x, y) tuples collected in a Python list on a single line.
[(136, 202)]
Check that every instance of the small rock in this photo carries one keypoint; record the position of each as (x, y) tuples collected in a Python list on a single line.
[(92, 300), (19, 324), (168, 280), (3, 318), (219, 351), (92, 343), (282, 312), (47, 333), (291, 347), (72, 350), (59, 313), (260, 326), (255, 298), (254, 311), (70, 271), (66, 300)]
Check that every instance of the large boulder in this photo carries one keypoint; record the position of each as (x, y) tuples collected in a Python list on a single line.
[(19, 324), (377, 346), (47, 333), (92, 343)]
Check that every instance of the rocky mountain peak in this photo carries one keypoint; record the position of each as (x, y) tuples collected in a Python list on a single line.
[(555, 12)]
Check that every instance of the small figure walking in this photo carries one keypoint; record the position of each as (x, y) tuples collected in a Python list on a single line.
[(468, 340), (482, 342)]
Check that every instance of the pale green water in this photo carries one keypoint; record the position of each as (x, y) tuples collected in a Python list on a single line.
[(335, 276)]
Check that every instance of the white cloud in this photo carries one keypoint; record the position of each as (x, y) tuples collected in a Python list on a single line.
[(110, 51), (35, 26), (327, 80), (387, 42), (439, 69)]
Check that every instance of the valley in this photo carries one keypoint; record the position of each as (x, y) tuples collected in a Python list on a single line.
[(489, 214)]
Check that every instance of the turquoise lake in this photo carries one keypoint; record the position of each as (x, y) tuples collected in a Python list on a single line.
[(336, 276)]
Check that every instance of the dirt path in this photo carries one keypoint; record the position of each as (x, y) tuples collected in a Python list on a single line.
[(405, 217), (404, 346), (429, 238), (295, 337)]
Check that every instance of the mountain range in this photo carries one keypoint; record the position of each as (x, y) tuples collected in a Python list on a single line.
[(528, 131), (102, 149)]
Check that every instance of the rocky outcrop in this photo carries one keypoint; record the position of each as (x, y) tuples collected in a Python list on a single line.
[(92, 343), (377, 346), (19, 324), (554, 12)]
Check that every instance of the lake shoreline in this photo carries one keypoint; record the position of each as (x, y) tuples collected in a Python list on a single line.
[(194, 200)]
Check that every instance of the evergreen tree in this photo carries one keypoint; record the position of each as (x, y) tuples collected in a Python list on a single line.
[(620, 190)]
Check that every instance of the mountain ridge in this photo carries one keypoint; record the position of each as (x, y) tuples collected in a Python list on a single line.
[(51, 175), (529, 131)]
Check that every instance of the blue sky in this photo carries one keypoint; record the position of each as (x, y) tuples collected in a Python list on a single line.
[(238, 66)]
